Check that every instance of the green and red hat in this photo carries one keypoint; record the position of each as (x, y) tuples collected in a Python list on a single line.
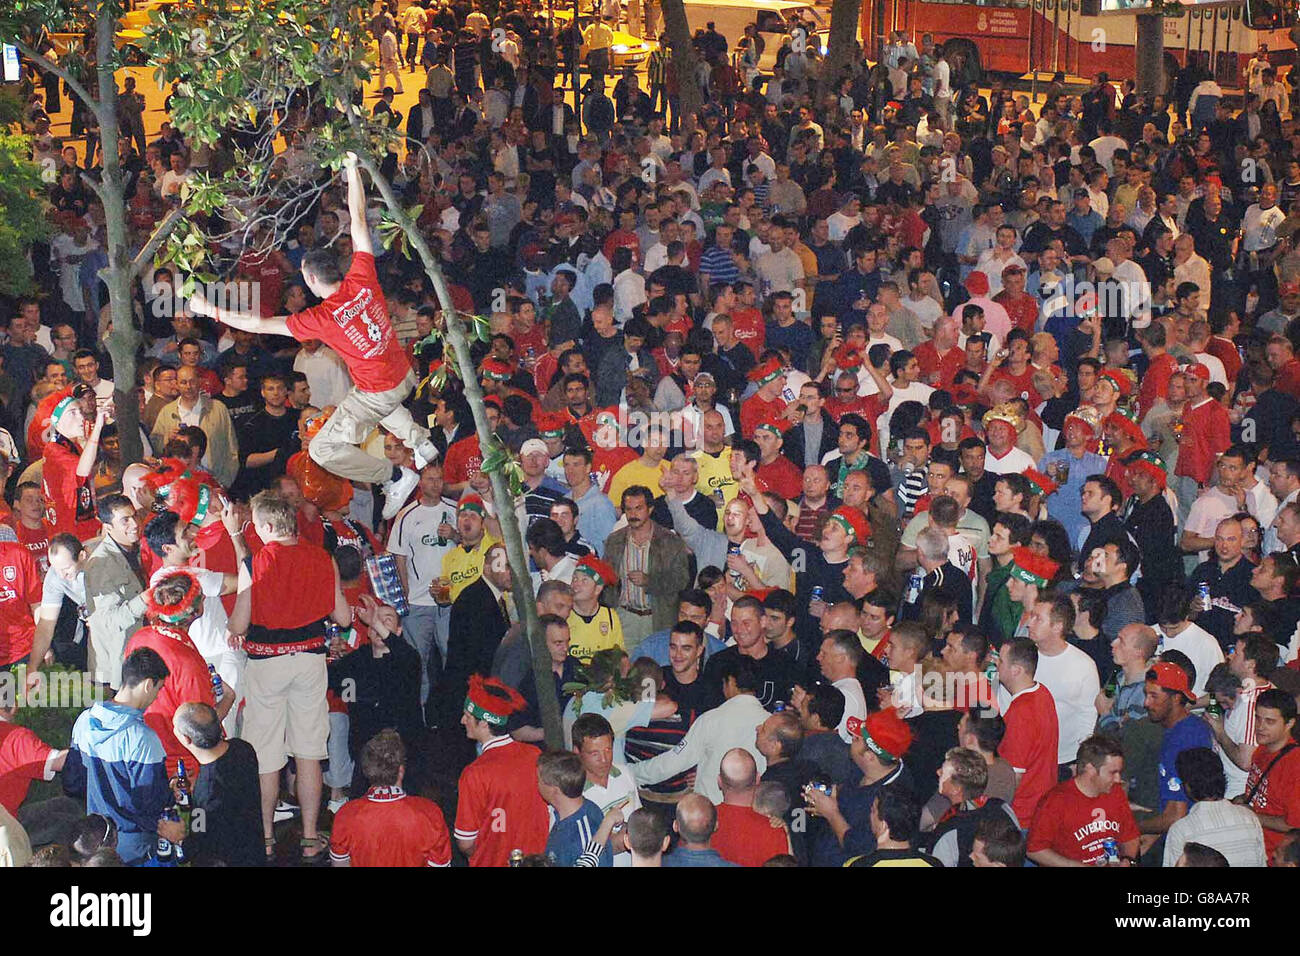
[(853, 521), (551, 424), (491, 701), (766, 373), (1033, 568), (473, 503), (848, 358), (1127, 425), (496, 370), (599, 571), (1041, 484), (884, 732), (1121, 382), (1151, 464), (775, 425), (184, 608), (191, 499)]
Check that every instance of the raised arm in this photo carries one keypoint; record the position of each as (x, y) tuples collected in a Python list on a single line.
[(356, 205)]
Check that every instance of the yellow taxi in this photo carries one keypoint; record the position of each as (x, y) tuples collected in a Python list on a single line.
[(628, 50)]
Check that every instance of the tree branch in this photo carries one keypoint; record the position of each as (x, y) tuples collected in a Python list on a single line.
[(45, 63), (160, 234)]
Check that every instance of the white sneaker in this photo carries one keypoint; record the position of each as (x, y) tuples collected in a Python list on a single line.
[(336, 805), (425, 453), (397, 490), (284, 810)]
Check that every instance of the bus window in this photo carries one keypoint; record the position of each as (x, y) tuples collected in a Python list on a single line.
[(1269, 14)]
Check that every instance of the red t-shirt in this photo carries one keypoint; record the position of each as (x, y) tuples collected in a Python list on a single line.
[(217, 553), (293, 585), (781, 476), (1155, 383), (605, 463), (746, 837), (265, 269), (1075, 825), (499, 806), (188, 681), (22, 760), (462, 461), (37, 542), (1206, 434), (1022, 383), (20, 588), (946, 366), (756, 408), (69, 498), (354, 323), (1022, 309), (1223, 350), (1030, 747), (1278, 795), (388, 827), (750, 329)]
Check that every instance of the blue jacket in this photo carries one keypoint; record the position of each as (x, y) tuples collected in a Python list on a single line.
[(117, 763)]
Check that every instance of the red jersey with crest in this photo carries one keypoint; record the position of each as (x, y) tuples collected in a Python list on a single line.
[(20, 588), (463, 461), (1076, 826), (36, 541), (500, 807), (389, 827), (354, 322), (1277, 794), (69, 498), (187, 682)]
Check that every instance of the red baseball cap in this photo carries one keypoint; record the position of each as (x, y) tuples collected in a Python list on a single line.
[(1171, 677)]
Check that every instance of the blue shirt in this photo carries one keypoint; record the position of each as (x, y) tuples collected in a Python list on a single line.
[(656, 646), (684, 857), (1064, 504), (1189, 732), (571, 836), (798, 338), (596, 517)]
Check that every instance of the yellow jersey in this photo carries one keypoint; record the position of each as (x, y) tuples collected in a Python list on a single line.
[(464, 567), (636, 473), (715, 476), (587, 635)]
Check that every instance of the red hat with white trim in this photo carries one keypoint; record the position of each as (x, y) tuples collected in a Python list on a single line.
[(885, 733), (599, 571), (766, 373), (1200, 371), (192, 500), (1033, 568), (492, 701), (853, 521)]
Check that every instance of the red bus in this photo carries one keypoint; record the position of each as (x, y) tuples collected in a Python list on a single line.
[(1081, 37)]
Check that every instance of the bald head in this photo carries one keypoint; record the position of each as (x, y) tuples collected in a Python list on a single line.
[(737, 776), (133, 485), (842, 616), (697, 818)]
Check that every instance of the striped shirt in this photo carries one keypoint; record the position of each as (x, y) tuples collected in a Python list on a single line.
[(635, 558), (719, 265), (1239, 725)]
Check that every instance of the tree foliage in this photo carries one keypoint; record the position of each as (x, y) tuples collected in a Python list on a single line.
[(22, 204)]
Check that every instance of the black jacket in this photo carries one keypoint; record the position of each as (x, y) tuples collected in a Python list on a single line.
[(476, 628), (793, 446)]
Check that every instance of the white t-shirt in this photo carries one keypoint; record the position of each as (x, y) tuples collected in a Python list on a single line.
[(1201, 649), (415, 538), (855, 704), (1013, 462), (1071, 676), (621, 786)]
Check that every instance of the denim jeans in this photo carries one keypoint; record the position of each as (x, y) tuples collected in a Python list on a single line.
[(425, 629)]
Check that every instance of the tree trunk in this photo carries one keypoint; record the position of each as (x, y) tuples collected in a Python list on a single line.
[(839, 49), (525, 600), (125, 338), (683, 61), (1150, 53)]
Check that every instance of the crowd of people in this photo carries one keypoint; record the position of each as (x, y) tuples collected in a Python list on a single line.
[(909, 477)]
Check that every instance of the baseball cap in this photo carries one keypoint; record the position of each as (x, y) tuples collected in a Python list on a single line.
[(1171, 677), (534, 445), (1200, 371)]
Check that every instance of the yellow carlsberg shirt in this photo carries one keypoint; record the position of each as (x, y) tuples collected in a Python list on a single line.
[(715, 475), (464, 567), (588, 635)]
